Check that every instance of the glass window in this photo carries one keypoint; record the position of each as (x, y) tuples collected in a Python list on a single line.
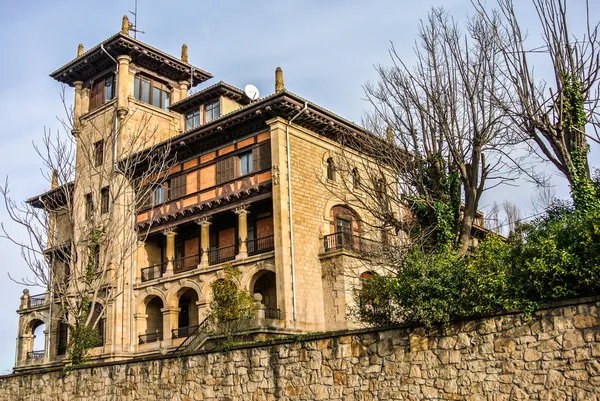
[(343, 225), (166, 100), (99, 153), (109, 88), (211, 111), (136, 87), (159, 195), (89, 205), (156, 96), (145, 90), (245, 163), (192, 119), (104, 200)]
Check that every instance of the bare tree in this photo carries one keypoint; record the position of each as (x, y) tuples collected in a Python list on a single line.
[(513, 215), (79, 237), (557, 118), (442, 131)]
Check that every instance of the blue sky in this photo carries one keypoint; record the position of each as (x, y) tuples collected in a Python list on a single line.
[(327, 50)]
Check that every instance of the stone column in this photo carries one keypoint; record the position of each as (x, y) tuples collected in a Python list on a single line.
[(77, 104), (204, 241), (25, 299), (141, 324), (170, 320), (170, 234), (85, 101), (242, 213), (122, 101), (183, 89), (140, 251)]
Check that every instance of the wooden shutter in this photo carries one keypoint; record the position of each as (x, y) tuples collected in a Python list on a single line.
[(261, 156), (225, 170), (145, 199), (178, 186)]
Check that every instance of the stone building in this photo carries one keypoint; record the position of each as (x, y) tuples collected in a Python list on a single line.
[(254, 185)]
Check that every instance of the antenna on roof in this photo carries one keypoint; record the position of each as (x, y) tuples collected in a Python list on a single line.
[(133, 27)]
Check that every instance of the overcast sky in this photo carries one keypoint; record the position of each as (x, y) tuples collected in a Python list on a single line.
[(327, 50)]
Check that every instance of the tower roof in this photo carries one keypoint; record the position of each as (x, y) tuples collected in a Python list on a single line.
[(90, 63)]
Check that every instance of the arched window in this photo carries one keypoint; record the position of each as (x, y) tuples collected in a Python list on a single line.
[(266, 286), (188, 313), (154, 321), (330, 169)]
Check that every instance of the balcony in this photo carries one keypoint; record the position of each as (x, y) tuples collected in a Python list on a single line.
[(216, 256), (183, 332), (35, 355), (154, 271), (150, 338), (347, 241), (36, 300)]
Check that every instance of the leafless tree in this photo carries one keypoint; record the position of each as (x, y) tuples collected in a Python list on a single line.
[(558, 117), (513, 215), (78, 239), (439, 125)]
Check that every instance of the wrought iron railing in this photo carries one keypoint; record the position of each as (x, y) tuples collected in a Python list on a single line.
[(37, 300), (150, 338), (186, 263), (351, 242), (272, 314), (194, 339), (260, 245), (222, 255), (35, 355), (154, 271), (182, 332)]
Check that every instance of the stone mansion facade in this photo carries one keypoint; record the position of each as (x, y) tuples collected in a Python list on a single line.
[(253, 186)]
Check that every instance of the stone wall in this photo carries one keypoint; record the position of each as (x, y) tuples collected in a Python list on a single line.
[(554, 355)]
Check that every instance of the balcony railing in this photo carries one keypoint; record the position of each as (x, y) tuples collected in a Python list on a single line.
[(222, 255), (150, 338), (348, 241), (261, 245), (36, 300), (272, 314), (186, 263), (183, 332), (34, 355), (154, 271)]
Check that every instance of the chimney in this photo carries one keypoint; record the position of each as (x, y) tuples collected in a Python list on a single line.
[(80, 49), (125, 26), (279, 80), (184, 53)]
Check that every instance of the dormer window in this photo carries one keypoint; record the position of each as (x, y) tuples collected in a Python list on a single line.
[(192, 119), (103, 91), (212, 111), (151, 91)]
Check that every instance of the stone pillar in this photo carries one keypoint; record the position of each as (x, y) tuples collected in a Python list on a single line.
[(122, 101), (183, 89), (77, 104), (242, 213), (140, 252), (170, 321), (25, 299), (170, 234), (141, 324), (204, 241), (85, 101)]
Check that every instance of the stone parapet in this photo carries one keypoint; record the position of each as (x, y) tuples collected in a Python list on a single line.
[(552, 355)]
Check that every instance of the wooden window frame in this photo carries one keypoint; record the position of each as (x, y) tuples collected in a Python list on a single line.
[(99, 92), (89, 206), (164, 88), (104, 200), (99, 153), (213, 117), (193, 114)]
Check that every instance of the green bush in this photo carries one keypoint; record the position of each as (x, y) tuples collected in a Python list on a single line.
[(554, 257)]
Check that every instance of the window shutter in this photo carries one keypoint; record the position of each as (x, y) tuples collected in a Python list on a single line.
[(225, 170), (178, 186), (262, 156), (145, 200)]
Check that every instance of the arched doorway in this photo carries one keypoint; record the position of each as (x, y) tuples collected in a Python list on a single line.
[(345, 229), (154, 321), (265, 285), (38, 341), (188, 313)]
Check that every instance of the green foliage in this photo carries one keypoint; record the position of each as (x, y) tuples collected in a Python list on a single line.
[(231, 308), (555, 257), (82, 337)]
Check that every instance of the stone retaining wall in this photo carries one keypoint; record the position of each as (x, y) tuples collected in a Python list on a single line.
[(554, 355)]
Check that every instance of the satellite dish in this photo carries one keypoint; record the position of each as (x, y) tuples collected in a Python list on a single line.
[(251, 91)]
